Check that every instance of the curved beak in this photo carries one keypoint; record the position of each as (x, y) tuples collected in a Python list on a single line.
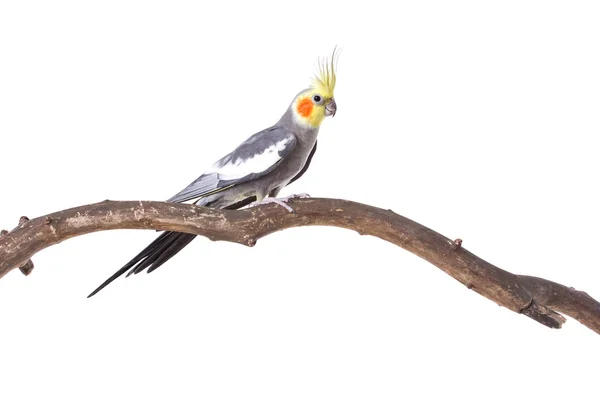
[(330, 108)]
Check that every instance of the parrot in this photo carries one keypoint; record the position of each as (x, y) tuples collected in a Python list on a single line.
[(254, 172)]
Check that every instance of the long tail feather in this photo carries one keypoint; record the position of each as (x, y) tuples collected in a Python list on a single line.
[(170, 237), (140, 257), (175, 248), (160, 251)]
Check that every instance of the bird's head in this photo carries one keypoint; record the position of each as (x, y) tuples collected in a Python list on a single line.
[(317, 102)]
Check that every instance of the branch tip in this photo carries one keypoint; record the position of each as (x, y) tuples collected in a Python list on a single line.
[(23, 220)]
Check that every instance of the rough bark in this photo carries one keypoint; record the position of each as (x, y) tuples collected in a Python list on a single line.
[(537, 298)]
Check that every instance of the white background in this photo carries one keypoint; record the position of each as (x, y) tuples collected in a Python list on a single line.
[(478, 121)]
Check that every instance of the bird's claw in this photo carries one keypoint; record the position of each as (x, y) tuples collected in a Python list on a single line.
[(281, 201), (296, 196)]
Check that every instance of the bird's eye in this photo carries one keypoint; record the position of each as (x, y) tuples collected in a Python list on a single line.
[(317, 98)]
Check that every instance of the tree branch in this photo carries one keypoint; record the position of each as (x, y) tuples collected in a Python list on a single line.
[(536, 298)]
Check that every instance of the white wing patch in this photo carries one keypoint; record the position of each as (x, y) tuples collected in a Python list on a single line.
[(253, 165)]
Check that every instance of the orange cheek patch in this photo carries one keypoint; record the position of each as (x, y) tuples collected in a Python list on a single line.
[(305, 107)]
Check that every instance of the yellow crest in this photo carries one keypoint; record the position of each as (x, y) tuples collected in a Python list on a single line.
[(324, 81)]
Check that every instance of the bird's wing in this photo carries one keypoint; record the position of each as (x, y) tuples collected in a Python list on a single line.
[(256, 157)]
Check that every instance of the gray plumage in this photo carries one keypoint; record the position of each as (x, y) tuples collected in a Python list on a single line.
[(221, 183), (259, 167)]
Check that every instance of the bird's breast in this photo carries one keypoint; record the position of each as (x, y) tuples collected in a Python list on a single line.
[(295, 161)]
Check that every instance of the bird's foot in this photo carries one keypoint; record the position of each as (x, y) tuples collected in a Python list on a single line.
[(295, 196), (281, 201)]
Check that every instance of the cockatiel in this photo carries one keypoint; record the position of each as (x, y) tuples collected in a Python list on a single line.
[(255, 171)]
